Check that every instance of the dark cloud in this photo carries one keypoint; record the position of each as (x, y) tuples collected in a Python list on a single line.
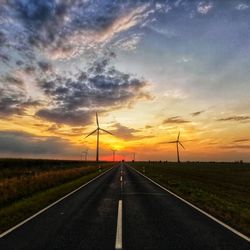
[(2, 38), (54, 127), (37, 10), (99, 88), (4, 58), (19, 62), (58, 129), (13, 80), (174, 120), (45, 66), (17, 142), (13, 97), (29, 69), (197, 113), (237, 118), (44, 20), (13, 103), (242, 140), (50, 24), (70, 117)]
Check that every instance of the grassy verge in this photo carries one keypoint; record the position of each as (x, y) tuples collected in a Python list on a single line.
[(221, 189), (21, 209)]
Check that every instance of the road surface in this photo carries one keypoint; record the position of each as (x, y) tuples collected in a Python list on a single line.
[(148, 218)]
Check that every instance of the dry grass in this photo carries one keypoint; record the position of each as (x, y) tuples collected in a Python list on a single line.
[(21, 186), (27, 186)]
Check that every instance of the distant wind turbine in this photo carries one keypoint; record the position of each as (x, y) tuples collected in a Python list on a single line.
[(86, 154), (134, 156), (177, 146), (97, 140), (114, 150)]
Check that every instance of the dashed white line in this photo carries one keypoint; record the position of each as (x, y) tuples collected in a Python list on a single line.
[(118, 241)]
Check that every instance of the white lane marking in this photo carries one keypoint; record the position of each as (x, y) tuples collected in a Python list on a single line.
[(118, 240), (49, 206), (198, 209)]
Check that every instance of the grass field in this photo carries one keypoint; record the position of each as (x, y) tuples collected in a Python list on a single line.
[(222, 189), (26, 186)]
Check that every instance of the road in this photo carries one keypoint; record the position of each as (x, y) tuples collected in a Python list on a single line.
[(151, 219)]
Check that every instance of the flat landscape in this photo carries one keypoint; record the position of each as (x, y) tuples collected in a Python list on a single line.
[(122, 209), (221, 189)]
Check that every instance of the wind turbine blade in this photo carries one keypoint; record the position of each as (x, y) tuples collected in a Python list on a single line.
[(91, 133), (171, 141), (178, 136), (97, 122), (181, 144), (106, 131)]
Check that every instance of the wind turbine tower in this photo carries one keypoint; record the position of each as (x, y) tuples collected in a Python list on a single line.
[(134, 156), (114, 150), (97, 130), (177, 146), (85, 153)]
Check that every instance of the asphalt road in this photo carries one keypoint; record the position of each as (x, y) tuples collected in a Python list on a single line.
[(151, 219)]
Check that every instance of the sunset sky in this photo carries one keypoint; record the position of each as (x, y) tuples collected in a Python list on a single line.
[(149, 68)]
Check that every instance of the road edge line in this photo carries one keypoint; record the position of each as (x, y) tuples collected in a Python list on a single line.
[(118, 240), (198, 209), (49, 206)]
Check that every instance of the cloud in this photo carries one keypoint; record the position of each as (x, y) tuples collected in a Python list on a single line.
[(99, 88), (45, 66), (162, 7), (17, 142), (237, 118), (60, 115), (247, 147), (127, 133), (204, 7), (174, 120), (128, 43), (242, 6), (58, 129), (125, 22), (65, 29), (175, 93), (40, 31), (4, 58), (163, 30), (242, 140), (197, 113), (13, 80), (14, 98)]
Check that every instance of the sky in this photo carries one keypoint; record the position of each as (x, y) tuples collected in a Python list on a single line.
[(150, 69)]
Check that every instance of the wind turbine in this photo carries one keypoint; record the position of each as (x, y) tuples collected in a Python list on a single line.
[(97, 139), (86, 154), (177, 146), (134, 156), (114, 150)]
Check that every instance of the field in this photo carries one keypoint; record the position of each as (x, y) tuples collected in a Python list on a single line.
[(26, 186), (222, 189)]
